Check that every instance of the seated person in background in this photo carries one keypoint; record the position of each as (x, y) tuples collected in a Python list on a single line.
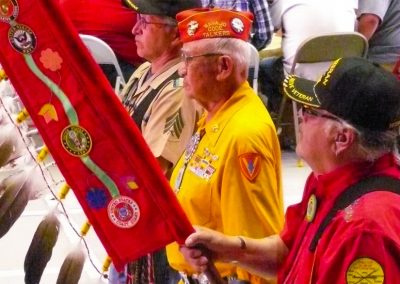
[(154, 98), (299, 20), (354, 114), (379, 22), (262, 28), (229, 177), (110, 21)]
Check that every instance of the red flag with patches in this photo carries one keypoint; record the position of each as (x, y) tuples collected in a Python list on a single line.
[(93, 140)]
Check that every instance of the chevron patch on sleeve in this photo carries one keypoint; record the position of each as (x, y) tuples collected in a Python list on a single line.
[(250, 165)]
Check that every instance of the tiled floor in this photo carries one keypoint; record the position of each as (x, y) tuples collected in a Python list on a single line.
[(14, 245)]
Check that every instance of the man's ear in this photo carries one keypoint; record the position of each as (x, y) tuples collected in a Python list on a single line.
[(176, 41), (225, 67), (344, 139)]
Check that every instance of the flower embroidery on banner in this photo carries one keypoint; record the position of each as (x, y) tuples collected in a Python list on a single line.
[(51, 59)]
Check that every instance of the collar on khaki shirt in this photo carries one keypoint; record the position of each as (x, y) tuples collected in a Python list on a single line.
[(157, 78)]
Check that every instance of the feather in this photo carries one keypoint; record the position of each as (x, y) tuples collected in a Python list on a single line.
[(7, 141), (13, 200), (6, 149), (41, 248), (3, 116), (72, 267)]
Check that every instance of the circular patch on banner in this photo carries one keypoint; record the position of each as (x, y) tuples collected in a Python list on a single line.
[(237, 25), (365, 270), (22, 39), (311, 208), (8, 10), (123, 212), (76, 140)]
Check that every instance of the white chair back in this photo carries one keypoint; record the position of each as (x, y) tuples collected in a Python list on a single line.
[(254, 67), (103, 54)]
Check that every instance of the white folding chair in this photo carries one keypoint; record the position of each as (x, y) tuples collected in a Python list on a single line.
[(254, 67), (103, 54), (324, 48)]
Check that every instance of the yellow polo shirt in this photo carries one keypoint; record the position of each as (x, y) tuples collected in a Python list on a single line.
[(232, 181)]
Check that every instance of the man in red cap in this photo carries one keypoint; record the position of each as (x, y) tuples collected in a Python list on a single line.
[(346, 228), (229, 178)]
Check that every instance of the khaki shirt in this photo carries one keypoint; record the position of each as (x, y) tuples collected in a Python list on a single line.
[(170, 120)]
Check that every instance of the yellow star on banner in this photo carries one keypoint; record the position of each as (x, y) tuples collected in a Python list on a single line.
[(132, 185), (49, 113)]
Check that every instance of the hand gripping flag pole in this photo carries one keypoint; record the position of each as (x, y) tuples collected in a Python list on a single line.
[(94, 142)]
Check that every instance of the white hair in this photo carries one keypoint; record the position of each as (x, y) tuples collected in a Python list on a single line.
[(237, 49), (371, 144)]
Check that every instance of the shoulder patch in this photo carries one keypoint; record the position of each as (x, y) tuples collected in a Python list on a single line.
[(365, 270), (250, 165)]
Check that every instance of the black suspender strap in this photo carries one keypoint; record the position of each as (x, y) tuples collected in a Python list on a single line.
[(352, 193), (141, 109)]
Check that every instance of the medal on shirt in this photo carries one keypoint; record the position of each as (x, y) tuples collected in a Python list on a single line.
[(190, 149), (311, 208), (201, 165)]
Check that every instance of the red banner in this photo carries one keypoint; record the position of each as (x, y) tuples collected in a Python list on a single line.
[(93, 140)]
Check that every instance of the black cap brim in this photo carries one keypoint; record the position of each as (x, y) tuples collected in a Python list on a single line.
[(301, 90), (142, 7), (130, 4), (167, 8)]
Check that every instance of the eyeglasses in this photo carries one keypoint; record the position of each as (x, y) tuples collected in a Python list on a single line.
[(312, 112), (186, 58), (143, 23)]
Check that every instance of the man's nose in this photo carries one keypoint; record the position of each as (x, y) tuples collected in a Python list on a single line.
[(136, 28), (182, 70)]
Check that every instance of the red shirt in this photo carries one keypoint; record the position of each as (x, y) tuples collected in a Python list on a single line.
[(361, 244), (108, 20)]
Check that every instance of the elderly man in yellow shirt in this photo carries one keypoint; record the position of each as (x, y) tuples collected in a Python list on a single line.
[(229, 178)]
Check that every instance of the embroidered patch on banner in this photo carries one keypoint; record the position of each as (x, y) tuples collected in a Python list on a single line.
[(250, 165), (123, 212), (365, 270)]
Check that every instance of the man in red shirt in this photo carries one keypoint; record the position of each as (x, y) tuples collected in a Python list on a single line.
[(346, 228)]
